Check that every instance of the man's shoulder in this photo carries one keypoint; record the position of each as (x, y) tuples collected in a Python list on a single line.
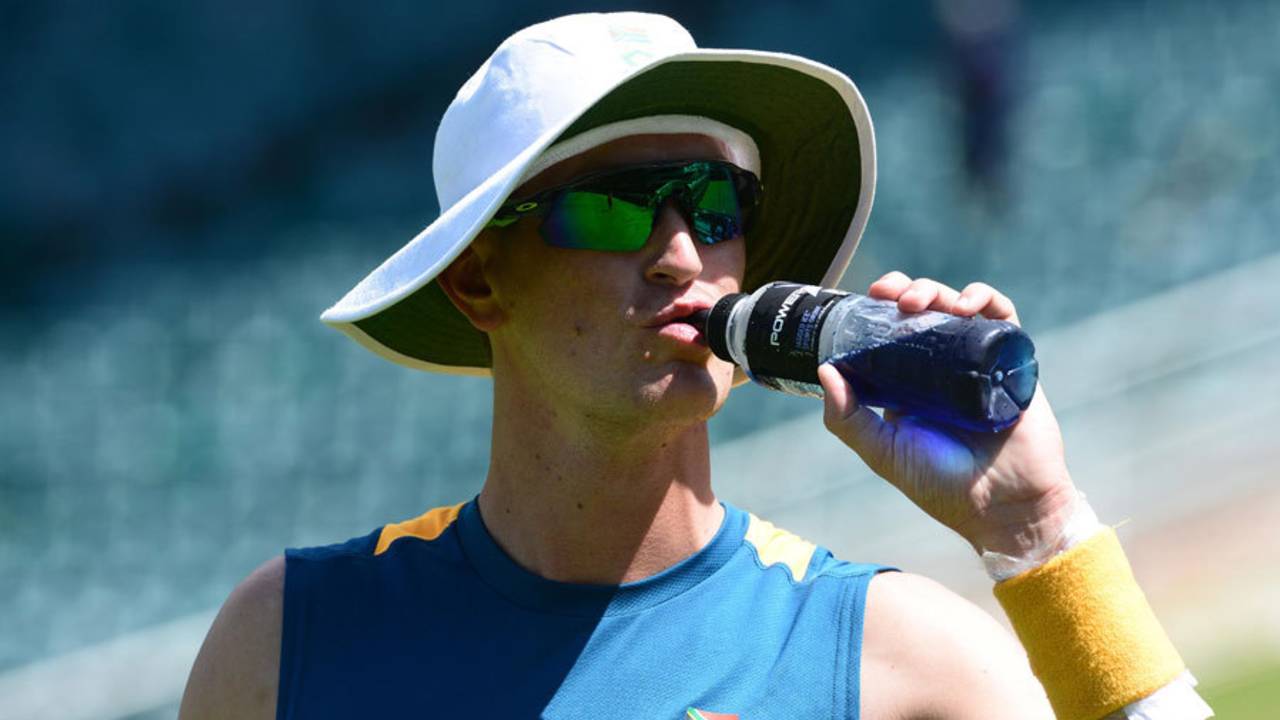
[(903, 606), (928, 650), (236, 673)]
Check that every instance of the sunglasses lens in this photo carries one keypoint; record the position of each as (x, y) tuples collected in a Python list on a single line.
[(583, 220), (717, 215)]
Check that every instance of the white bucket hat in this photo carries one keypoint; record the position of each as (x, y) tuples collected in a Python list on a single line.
[(561, 87)]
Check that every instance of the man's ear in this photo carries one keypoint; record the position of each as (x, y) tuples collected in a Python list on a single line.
[(467, 286)]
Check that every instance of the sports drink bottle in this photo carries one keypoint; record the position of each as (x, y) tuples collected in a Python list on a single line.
[(974, 373)]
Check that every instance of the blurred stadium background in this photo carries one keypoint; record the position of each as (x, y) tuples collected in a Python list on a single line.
[(188, 185)]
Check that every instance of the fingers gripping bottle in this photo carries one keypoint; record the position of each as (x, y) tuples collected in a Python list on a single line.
[(974, 373)]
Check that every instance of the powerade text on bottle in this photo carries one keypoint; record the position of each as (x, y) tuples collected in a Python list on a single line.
[(973, 373)]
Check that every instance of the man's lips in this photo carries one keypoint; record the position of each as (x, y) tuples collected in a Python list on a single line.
[(679, 321), (682, 332), (678, 312)]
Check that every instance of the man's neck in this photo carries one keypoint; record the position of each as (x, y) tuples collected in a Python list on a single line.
[(581, 504)]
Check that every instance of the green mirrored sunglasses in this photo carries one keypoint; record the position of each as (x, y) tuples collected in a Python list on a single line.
[(615, 210)]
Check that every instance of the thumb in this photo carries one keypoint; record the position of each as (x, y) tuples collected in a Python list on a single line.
[(856, 425)]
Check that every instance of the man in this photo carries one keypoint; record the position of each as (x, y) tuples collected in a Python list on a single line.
[(602, 180)]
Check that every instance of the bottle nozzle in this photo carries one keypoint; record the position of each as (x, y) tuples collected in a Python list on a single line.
[(714, 322), (699, 320)]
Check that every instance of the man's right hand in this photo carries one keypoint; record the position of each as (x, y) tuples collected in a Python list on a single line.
[(1007, 491)]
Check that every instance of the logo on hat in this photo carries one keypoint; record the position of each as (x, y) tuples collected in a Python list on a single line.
[(635, 56)]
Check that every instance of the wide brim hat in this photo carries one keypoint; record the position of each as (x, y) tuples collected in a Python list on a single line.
[(553, 82)]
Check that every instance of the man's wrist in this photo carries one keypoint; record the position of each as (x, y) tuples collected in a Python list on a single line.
[(1057, 535), (1025, 526)]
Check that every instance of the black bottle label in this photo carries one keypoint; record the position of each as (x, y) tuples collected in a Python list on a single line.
[(783, 331)]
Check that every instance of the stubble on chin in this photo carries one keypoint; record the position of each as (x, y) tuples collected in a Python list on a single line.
[(686, 392)]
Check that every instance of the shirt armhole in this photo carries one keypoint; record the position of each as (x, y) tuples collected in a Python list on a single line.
[(292, 637), (851, 654)]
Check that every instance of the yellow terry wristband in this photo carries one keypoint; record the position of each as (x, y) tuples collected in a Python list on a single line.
[(1092, 639)]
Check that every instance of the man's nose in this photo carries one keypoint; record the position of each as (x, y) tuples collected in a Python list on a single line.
[(675, 258)]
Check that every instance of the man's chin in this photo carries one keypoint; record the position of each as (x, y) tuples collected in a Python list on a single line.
[(688, 390)]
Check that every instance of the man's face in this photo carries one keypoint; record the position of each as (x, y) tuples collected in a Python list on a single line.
[(588, 331)]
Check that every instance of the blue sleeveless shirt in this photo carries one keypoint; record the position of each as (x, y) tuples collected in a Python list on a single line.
[(430, 618)]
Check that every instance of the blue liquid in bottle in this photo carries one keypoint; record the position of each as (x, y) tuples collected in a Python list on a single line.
[(975, 374)]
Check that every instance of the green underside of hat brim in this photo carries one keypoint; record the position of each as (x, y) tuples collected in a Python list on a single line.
[(811, 166)]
